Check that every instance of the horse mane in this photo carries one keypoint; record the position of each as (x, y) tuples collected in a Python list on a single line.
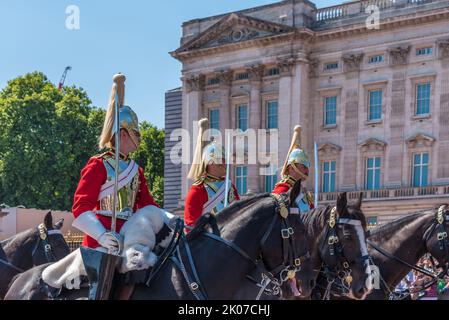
[(316, 218), (18, 239), (237, 207), (398, 222)]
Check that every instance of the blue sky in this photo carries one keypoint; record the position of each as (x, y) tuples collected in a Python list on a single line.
[(132, 37)]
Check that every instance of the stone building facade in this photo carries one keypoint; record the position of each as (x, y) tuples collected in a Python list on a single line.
[(367, 80)]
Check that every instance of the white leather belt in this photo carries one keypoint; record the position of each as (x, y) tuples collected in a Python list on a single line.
[(125, 215)]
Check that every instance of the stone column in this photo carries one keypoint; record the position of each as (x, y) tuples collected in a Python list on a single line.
[(193, 86), (286, 66), (398, 61), (225, 77), (255, 122), (352, 62)]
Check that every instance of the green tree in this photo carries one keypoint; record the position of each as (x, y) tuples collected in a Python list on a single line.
[(150, 156), (46, 137)]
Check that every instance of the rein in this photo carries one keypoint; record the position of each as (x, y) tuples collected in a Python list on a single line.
[(286, 270), (439, 221)]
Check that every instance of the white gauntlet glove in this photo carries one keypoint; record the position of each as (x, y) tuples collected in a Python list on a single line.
[(88, 223), (110, 241)]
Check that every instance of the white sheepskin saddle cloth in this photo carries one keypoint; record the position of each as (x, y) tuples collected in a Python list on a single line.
[(139, 239)]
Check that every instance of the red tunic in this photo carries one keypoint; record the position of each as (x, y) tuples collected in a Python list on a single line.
[(195, 200), (283, 187), (93, 176)]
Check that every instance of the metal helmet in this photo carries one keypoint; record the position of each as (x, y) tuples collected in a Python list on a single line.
[(296, 155), (128, 119), (213, 152)]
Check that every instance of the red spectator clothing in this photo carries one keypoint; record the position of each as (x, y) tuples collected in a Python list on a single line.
[(93, 176), (195, 200)]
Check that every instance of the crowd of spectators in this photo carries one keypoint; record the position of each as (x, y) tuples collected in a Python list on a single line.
[(416, 285)]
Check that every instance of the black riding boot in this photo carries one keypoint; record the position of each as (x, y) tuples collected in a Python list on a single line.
[(100, 268)]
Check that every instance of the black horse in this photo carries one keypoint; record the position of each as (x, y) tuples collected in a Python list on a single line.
[(397, 246), (31, 248), (256, 231), (317, 227), (338, 245)]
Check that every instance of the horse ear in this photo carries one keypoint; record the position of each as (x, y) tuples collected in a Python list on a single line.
[(342, 202), (358, 204), (48, 220), (59, 224), (295, 191)]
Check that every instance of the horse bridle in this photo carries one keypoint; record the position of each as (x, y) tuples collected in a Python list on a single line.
[(442, 237), (276, 277), (341, 269), (43, 233)]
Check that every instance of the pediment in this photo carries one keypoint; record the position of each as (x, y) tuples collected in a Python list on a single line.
[(328, 149), (234, 28), (420, 140), (373, 144)]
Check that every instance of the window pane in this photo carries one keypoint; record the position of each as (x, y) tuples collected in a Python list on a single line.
[(325, 182), (425, 171), (417, 160), (416, 176), (377, 160), (425, 158), (326, 166), (370, 162), (333, 165), (423, 98), (331, 110), (272, 115), (214, 116), (332, 186), (377, 179), (375, 105), (242, 117), (369, 179)]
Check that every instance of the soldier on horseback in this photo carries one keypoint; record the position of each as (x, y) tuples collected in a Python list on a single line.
[(296, 167), (208, 172), (104, 202)]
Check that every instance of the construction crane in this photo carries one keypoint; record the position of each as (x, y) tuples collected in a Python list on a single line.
[(64, 75)]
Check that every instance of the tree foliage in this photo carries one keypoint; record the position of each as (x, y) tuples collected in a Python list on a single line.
[(46, 138)]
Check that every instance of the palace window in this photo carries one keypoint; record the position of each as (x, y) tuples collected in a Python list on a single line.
[(242, 117), (270, 182), (375, 105), (424, 51), (214, 117), (373, 173), (272, 72), (422, 98), (242, 76), (240, 179), (376, 59), (420, 169), (213, 81), (330, 110), (328, 176), (272, 114), (331, 66)]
